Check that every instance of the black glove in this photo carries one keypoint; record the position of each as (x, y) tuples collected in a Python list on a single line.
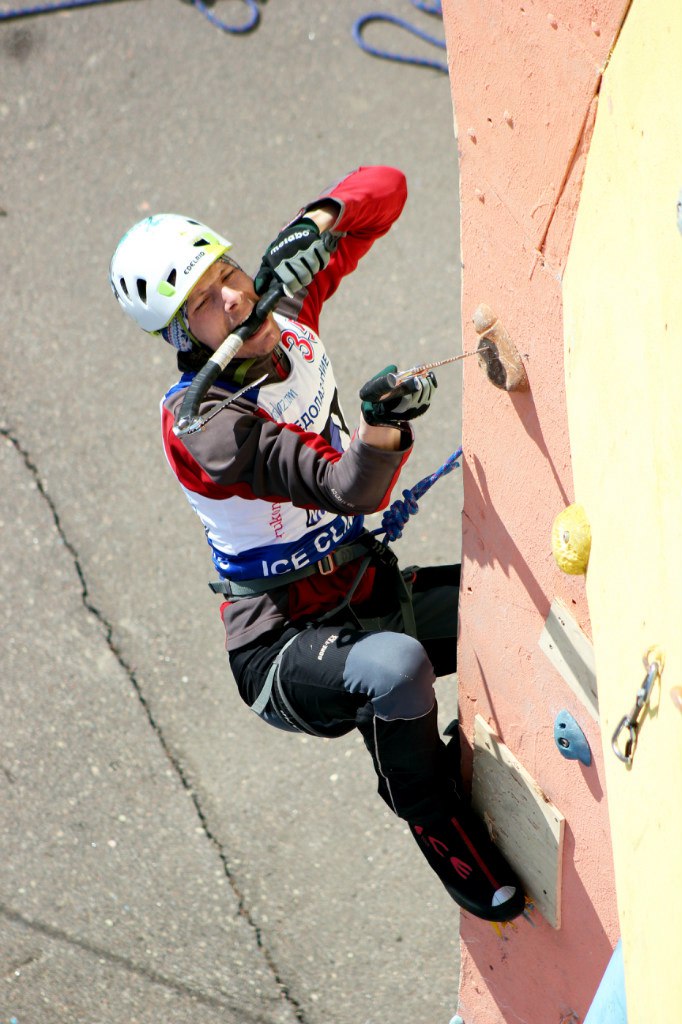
[(295, 256), (409, 400)]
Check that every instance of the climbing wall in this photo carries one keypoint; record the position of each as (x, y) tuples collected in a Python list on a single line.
[(525, 80), (623, 333)]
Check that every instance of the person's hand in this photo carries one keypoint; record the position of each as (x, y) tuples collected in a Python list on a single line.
[(295, 256), (410, 400)]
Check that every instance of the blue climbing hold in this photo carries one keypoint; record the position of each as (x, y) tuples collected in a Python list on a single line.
[(570, 739)]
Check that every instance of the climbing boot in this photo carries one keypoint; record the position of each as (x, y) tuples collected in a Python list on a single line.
[(475, 873)]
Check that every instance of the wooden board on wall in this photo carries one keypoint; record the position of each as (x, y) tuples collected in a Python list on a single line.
[(525, 825), (572, 654)]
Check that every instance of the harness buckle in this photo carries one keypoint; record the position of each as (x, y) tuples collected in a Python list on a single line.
[(326, 566)]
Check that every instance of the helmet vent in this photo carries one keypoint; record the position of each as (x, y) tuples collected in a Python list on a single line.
[(200, 243), (142, 289), (124, 287), (171, 277)]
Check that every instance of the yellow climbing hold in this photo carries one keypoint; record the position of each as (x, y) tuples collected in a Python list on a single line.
[(571, 540)]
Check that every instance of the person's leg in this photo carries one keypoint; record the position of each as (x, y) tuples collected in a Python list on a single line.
[(383, 683), (459, 839), (330, 679), (435, 599), (435, 602)]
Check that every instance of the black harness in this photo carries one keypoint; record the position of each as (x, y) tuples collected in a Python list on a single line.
[(366, 547)]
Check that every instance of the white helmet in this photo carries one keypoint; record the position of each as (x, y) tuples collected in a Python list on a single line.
[(157, 263)]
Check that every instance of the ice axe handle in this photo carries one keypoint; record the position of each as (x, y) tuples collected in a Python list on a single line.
[(189, 420), (387, 386)]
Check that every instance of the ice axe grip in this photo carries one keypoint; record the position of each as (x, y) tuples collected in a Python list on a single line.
[(375, 389), (388, 385)]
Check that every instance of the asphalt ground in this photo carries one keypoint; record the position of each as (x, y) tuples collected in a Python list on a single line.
[(164, 855)]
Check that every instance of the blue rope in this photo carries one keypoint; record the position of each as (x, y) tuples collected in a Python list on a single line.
[(395, 517), (436, 8), (234, 29), (66, 5)]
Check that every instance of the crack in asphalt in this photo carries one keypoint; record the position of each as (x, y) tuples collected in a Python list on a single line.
[(92, 609), (116, 960)]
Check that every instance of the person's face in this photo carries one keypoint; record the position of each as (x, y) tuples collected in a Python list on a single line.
[(221, 299)]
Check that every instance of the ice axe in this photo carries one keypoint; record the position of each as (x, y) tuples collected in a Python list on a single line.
[(403, 382), (497, 354), (189, 420)]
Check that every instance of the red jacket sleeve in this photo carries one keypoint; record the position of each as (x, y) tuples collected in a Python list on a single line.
[(371, 199)]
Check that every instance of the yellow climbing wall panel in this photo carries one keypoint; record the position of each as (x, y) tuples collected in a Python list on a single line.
[(623, 344)]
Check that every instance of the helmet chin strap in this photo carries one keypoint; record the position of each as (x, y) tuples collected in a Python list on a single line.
[(239, 374), (178, 334)]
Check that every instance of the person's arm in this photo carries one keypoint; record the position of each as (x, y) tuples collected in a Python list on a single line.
[(369, 201), (329, 236), (357, 210), (393, 411), (325, 215), (387, 438), (244, 453)]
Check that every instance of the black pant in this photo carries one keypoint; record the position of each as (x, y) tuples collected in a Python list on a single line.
[(370, 675)]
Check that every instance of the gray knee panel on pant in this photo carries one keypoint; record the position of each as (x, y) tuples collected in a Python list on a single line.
[(395, 672)]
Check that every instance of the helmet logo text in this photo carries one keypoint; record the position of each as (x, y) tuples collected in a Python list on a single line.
[(193, 262)]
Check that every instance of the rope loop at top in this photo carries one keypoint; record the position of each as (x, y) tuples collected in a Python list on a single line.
[(249, 26), (63, 5), (67, 5), (435, 8)]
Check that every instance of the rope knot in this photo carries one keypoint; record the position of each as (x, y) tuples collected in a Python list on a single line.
[(395, 517)]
